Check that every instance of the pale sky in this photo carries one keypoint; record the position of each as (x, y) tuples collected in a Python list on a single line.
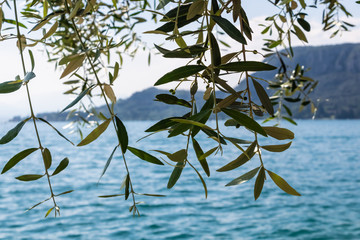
[(46, 89)]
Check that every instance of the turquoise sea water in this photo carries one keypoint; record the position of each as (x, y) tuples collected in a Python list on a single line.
[(323, 164)]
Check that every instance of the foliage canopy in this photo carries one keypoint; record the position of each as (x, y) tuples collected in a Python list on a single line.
[(81, 38)]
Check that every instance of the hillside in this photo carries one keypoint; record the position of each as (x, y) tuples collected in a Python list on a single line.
[(336, 67)]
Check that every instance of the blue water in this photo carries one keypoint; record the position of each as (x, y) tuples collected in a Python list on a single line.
[(322, 164)]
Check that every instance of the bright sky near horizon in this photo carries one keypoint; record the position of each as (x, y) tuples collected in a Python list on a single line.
[(46, 89)]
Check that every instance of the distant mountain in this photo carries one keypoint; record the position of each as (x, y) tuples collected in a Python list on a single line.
[(336, 67)]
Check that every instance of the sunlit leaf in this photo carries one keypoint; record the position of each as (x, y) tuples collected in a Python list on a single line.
[(10, 86), (282, 184), (11, 134), (73, 65), (95, 133), (62, 165), (242, 159), (110, 93), (52, 30), (244, 120), (243, 178), (17, 158), (145, 156), (259, 183), (299, 33), (48, 212), (196, 8), (279, 133), (178, 156), (277, 148), (122, 134), (179, 73)]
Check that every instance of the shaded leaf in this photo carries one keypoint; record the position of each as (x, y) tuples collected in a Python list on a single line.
[(243, 178), (151, 195), (264, 98), (245, 120), (62, 165), (171, 99), (199, 152), (191, 122), (63, 193), (127, 186), (259, 183), (11, 134), (279, 133), (108, 163), (246, 66), (81, 95), (229, 28), (95, 133), (178, 156), (162, 124), (109, 196), (145, 156), (58, 132), (304, 24), (242, 159), (122, 134), (196, 8), (29, 177), (47, 158), (282, 184), (208, 153), (299, 33), (17, 158), (215, 53), (277, 148), (175, 175), (179, 73)]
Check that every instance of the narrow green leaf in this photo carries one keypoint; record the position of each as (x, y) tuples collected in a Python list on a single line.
[(247, 66), (259, 183), (213, 134), (145, 156), (282, 184), (108, 163), (81, 95), (215, 53), (264, 98), (196, 8), (151, 195), (17, 158), (182, 127), (202, 181), (290, 120), (229, 28), (304, 24), (162, 125), (48, 212), (245, 120), (95, 133), (11, 134), (299, 33), (171, 99), (62, 165), (208, 153), (73, 65), (122, 134), (32, 60), (279, 133), (57, 131), (243, 178), (178, 156), (47, 158), (191, 122), (63, 193), (175, 175), (29, 177), (109, 196), (127, 186), (199, 152), (10, 86), (179, 73), (277, 148), (242, 159)]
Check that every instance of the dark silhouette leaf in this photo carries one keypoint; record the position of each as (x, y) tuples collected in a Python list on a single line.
[(179, 73), (29, 177), (259, 183), (175, 175), (145, 156), (122, 134), (62, 165), (229, 28), (264, 98), (11, 134), (246, 66), (277, 148), (282, 184), (17, 158)]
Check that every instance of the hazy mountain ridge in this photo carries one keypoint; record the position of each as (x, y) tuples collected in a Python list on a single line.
[(336, 67)]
